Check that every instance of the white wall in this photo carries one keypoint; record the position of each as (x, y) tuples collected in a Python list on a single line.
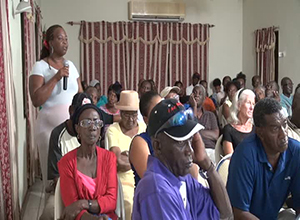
[(15, 39), (226, 37), (285, 14)]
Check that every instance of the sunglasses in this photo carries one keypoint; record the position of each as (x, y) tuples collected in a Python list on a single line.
[(86, 123), (179, 119)]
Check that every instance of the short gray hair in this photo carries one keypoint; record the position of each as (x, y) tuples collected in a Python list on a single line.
[(238, 99)]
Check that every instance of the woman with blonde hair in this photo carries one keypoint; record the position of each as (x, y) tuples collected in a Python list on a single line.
[(240, 121)]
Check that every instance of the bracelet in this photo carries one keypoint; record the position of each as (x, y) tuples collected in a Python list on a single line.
[(204, 174), (90, 205)]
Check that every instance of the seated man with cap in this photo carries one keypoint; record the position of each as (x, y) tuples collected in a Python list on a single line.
[(170, 92), (167, 190), (102, 99)]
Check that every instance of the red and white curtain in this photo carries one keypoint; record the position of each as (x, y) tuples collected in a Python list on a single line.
[(32, 43), (9, 197), (265, 57), (130, 51)]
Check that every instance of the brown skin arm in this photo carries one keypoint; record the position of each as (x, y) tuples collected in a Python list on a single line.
[(79, 85), (210, 134), (122, 159), (216, 185), (41, 91), (138, 155), (226, 111), (243, 215)]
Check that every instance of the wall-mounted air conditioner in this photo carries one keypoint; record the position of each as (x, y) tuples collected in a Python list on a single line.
[(156, 11)]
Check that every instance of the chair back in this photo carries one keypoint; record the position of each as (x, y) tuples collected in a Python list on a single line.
[(120, 208), (219, 153), (222, 167), (58, 203)]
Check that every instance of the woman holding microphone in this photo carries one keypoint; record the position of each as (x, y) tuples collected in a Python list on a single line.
[(52, 84)]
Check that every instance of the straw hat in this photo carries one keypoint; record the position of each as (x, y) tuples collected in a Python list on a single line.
[(129, 101)]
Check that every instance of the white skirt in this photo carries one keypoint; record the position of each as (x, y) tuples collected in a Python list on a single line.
[(47, 120)]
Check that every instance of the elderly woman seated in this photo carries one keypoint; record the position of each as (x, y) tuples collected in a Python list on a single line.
[(240, 122), (118, 138), (88, 174)]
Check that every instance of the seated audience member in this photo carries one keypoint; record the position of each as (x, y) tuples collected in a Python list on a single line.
[(195, 81), (264, 169), (272, 90), (88, 174), (208, 103), (224, 111), (145, 86), (102, 99), (153, 85), (204, 84), (210, 133), (93, 93), (182, 96), (256, 82), (286, 97), (240, 122), (241, 77), (222, 95), (84, 85), (141, 145), (259, 92), (167, 190), (118, 139), (170, 92), (294, 123), (217, 89)]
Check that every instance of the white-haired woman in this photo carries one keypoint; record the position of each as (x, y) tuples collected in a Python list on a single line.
[(240, 121)]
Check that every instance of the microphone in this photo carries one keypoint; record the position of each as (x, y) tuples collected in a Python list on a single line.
[(65, 86)]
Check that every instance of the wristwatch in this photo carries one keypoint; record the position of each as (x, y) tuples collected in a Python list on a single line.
[(90, 206), (203, 173)]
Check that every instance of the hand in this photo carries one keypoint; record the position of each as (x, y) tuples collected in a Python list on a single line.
[(200, 156), (62, 73), (125, 153), (70, 212), (276, 96), (192, 101)]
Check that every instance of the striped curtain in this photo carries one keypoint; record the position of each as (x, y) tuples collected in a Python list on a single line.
[(265, 57), (130, 51), (31, 46), (9, 190)]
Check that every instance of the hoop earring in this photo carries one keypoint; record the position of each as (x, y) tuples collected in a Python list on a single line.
[(51, 50), (78, 136)]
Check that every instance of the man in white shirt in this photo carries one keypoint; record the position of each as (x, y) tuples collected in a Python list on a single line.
[(195, 81)]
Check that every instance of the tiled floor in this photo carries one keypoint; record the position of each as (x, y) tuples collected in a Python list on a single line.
[(34, 202)]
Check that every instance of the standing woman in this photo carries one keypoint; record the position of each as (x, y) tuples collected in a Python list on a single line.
[(46, 89)]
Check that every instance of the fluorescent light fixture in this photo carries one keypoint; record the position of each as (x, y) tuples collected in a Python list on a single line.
[(23, 6)]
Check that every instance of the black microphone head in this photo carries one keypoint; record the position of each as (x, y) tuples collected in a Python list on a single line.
[(66, 63)]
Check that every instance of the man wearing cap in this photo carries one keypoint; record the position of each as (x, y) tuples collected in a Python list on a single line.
[(102, 99), (167, 190), (195, 81), (170, 92)]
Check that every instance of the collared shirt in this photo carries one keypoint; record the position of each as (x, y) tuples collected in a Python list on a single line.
[(286, 102), (158, 197), (255, 187)]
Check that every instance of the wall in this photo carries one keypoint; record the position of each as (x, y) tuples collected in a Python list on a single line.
[(261, 14), (226, 36), (15, 39)]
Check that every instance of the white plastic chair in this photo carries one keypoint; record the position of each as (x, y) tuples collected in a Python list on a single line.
[(219, 153), (58, 203), (222, 167)]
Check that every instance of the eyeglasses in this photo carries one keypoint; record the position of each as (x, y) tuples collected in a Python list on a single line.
[(132, 116), (86, 123), (179, 119)]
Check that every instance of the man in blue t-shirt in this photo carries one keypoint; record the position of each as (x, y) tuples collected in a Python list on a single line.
[(167, 190), (264, 168)]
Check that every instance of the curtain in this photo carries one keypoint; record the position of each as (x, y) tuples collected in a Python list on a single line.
[(32, 41), (9, 198), (265, 57), (130, 51)]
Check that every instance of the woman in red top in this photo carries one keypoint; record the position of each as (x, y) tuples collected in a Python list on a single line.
[(88, 174)]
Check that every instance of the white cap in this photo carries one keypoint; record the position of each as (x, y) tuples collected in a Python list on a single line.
[(168, 89)]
